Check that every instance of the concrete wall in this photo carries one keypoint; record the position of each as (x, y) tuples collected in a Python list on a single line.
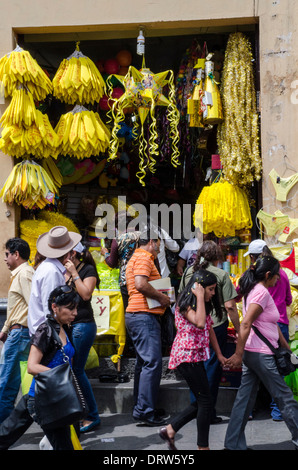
[(115, 18), (279, 105)]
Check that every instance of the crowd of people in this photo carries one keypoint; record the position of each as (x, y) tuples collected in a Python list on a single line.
[(54, 297)]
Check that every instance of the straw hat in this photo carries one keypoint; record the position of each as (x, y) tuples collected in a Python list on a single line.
[(57, 242)]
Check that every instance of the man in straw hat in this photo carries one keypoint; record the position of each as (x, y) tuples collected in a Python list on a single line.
[(55, 246)]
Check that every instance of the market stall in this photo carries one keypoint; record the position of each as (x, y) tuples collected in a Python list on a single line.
[(99, 120)]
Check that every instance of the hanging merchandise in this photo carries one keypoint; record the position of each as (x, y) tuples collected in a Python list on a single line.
[(141, 43), (274, 224), (39, 140), (222, 208), (31, 229), (212, 111), (53, 171), (29, 185), (194, 103), (144, 91), (26, 130), (19, 67), (22, 110), (81, 134), (78, 80), (238, 134)]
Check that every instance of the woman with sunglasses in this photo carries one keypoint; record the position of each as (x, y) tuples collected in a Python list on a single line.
[(46, 354), (82, 275), (189, 351)]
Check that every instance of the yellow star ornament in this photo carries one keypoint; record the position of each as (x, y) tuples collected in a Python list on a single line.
[(143, 92)]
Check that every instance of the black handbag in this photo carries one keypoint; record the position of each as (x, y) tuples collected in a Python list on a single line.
[(283, 360), (59, 400)]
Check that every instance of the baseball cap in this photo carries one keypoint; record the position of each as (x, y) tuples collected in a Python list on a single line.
[(255, 247)]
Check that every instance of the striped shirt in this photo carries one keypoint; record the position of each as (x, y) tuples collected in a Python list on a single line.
[(140, 264)]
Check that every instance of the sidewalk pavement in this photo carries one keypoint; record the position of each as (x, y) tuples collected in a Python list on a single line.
[(118, 432)]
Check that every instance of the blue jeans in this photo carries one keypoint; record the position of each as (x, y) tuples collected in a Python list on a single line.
[(83, 336), (15, 349), (145, 332)]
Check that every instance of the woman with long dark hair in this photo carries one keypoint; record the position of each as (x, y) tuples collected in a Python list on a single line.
[(189, 351), (208, 256), (260, 311), (83, 276)]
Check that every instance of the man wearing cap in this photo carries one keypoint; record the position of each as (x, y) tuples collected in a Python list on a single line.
[(257, 248), (56, 246), (15, 334)]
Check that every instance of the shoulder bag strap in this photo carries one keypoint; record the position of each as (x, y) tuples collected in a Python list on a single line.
[(184, 275), (57, 339), (265, 340)]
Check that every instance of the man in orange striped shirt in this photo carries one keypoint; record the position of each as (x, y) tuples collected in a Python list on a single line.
[(143, 326)]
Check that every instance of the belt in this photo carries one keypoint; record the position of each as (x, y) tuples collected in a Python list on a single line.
[(16, 325)]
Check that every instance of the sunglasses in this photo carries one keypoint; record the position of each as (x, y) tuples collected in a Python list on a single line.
[(63, 291)]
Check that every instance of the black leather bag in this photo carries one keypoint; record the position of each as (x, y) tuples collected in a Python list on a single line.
[(58, 398), (282, 356)]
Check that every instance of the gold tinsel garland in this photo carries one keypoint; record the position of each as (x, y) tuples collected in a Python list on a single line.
[(238, 135)]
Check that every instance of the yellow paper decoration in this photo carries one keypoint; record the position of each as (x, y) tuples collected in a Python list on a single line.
[(53, 171), (29, 185), (21, 111), (19, 67), (82, 134), (238, 135), (143, 92), (25, 129), (78, 80), (225, 210)]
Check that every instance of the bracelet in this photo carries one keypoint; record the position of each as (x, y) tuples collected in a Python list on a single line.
[(76, 278)]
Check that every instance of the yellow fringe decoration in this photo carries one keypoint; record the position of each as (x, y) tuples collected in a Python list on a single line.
[(238, 135), (223, 209)]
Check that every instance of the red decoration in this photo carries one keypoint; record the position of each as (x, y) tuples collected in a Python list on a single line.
[(104, 103), (99, 65), (117, 92), (124, 58), (111, 66)]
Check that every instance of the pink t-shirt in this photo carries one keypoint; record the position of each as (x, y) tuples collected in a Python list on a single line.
[(266, 321)]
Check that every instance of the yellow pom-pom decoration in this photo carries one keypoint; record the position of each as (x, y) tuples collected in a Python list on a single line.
[(223, 209)]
